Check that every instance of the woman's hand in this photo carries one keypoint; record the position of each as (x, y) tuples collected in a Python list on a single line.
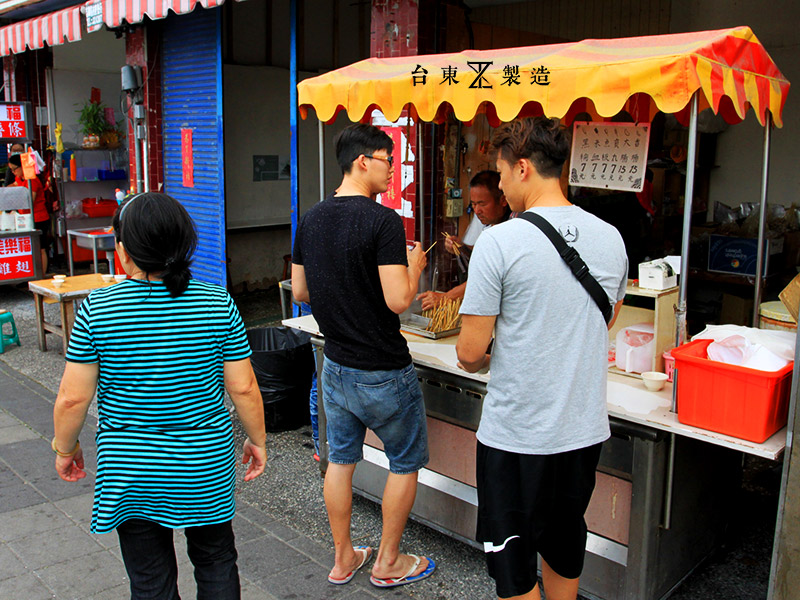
[(256, 456), (70, 468)]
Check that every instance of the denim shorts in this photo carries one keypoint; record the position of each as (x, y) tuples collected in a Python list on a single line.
[(387, 402)]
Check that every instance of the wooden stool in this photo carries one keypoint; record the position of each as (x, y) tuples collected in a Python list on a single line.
[(5, 340)]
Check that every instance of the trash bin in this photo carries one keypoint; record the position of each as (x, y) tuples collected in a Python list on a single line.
[(283, 362)]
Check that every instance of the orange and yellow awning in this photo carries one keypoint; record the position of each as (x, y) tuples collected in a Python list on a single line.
[(640, 75)]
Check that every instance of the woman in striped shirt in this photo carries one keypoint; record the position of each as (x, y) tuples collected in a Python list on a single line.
[(159, 348)]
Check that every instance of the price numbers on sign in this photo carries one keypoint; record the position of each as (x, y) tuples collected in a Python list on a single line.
[(609, 155)]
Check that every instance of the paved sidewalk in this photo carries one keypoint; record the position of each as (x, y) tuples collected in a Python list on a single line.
[(47, 551)]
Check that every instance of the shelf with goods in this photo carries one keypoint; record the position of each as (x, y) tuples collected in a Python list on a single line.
[(88, 200), (661, 315)]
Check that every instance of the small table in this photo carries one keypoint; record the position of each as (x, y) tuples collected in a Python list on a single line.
[(94, 238), (74, 288)]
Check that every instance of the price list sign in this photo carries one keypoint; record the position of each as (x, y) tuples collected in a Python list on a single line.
[(610, 156), (16, 258)]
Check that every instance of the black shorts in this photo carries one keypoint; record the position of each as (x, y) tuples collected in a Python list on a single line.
[(46, 238), (533, 504)]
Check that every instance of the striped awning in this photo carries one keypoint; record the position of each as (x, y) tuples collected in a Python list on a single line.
[(134, 11), (641, 75), (52, 29)]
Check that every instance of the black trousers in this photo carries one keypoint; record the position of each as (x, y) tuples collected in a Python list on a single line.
[(149, 556)]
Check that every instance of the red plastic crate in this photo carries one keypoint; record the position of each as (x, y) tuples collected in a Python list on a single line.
[(736, 401)]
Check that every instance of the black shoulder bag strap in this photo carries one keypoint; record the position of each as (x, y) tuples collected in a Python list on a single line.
[(574, 262)]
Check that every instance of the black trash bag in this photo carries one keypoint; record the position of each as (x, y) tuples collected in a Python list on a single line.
[(283, 362)]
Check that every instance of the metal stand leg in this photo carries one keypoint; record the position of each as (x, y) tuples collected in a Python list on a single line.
[(94, 253), (69, 255)]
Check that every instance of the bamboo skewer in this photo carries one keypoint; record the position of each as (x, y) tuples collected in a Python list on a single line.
[(456, 245), (444, 316), (431, 246)]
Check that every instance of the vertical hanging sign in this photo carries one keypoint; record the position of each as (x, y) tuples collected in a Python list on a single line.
[(187, 158), (393, 196)]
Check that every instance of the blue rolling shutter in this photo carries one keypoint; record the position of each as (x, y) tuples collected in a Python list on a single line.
[(192, 98)]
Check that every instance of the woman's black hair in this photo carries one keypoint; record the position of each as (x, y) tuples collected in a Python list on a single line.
[(15, 159), (159, 236)]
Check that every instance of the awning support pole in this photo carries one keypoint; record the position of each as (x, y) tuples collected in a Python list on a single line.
[(293, 123), (762, 220), (321, 131), (421, 185), (680, 312)]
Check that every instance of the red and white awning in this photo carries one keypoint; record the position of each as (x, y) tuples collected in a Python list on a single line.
[(134, 11), (52, 29)]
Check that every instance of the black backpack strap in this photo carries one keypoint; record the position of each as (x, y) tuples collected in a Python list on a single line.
[(574, 262)]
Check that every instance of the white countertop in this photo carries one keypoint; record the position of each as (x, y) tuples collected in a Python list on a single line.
[(627, 397)]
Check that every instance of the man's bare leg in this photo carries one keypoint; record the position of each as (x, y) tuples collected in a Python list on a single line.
[(557, 587), (532, 595), (338, 491), (398, 498)]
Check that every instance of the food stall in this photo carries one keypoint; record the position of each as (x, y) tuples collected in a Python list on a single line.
[(656, 511), (20, 258)]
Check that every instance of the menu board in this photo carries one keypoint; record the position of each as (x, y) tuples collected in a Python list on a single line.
[(610, 156)]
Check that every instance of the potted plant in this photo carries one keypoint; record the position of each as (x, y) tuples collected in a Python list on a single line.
[(92, 120)]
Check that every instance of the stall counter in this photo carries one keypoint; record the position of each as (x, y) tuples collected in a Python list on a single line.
[(627, 399)]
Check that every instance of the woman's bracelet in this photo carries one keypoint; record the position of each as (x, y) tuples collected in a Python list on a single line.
[(65, 454)]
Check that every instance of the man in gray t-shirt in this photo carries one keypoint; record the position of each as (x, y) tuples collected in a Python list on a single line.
[(545, 411)]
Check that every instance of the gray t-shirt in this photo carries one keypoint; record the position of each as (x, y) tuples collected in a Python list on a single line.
[(547, 390)]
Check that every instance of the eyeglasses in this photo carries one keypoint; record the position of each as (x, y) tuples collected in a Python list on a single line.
[(388, 159)]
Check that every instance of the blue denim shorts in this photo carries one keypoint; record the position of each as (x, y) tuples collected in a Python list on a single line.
[(387, 402)]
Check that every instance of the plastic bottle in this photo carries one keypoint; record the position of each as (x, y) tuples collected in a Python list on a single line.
[(119, 195), (73, 169)]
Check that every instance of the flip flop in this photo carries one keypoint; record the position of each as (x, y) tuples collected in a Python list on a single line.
[(367, 555), (407, 578)]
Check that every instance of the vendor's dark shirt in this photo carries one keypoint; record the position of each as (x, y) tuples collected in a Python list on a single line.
[(340, 243)]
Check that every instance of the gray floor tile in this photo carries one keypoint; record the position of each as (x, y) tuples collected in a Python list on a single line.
[(78, 508), (6, 420), (34, 519), (253, 592), (245, 530), (254, 515), (26, 586), (187, 587), (8, 477), (17, 433), (95, 573), (16, 497), (308, 580), (120, 592), (10, 565), (55, 488), (54, 546), (281, 531), (264, 557), (313, 550)]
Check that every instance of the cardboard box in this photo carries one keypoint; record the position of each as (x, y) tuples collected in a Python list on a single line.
[(736, 310), (790, 296), (738, 255)]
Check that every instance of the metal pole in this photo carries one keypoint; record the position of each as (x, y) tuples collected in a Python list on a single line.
[(321, 132), (138, 156), (762, 220), (293, 111), (680, 325), (680, 313), (421, 186)]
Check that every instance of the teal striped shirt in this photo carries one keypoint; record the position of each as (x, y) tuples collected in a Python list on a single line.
[(164, 437)]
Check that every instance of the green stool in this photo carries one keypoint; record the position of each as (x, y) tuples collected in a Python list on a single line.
[(5, 340)]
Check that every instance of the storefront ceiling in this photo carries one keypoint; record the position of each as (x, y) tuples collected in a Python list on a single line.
[(641, 75)]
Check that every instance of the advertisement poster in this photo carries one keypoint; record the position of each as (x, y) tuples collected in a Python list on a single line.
[(16, 258), (14, 122)]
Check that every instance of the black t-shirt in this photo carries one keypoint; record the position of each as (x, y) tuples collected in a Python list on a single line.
[(340, 243)]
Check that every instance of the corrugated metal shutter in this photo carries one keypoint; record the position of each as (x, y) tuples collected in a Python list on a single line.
[(192, 98)]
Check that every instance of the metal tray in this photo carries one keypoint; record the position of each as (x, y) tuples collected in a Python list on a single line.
[(416, 324)]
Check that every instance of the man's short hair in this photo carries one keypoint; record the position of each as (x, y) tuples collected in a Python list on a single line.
[(358, 139), (490, 180), (541, 140)]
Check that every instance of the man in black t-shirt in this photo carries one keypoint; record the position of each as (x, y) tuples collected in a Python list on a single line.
[(351, 264)]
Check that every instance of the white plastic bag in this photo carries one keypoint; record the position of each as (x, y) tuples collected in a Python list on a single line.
[(780, 343), (737, 350)]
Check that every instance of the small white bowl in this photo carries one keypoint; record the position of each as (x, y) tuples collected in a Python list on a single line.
[(107, 277), (57, 283), (61, 277), (122, 277), (654, 381)]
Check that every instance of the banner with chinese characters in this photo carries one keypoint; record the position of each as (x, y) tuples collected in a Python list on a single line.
[(610, 156), (393, 196), (15, 125), (187, 158), (16, 258)]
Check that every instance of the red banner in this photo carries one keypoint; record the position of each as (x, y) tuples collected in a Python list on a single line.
[(12, 122), (16, 258), (187, 158), (393, 197)]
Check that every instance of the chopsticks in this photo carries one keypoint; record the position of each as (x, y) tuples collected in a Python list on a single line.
[(456, 245)]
